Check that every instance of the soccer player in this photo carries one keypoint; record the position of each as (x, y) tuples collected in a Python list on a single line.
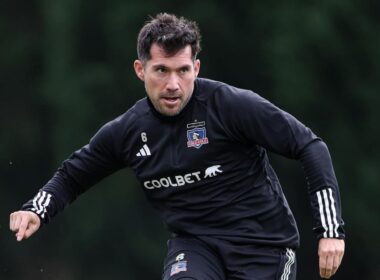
[(199, 148)]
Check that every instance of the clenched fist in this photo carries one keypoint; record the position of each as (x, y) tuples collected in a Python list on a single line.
[(24, 224)]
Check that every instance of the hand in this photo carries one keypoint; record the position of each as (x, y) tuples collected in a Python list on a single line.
[(330, 253), (24, 224)]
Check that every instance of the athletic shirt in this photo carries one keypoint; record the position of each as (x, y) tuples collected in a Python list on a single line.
[(206, 170)]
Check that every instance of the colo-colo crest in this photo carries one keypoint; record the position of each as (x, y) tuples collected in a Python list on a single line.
[(196, 135)]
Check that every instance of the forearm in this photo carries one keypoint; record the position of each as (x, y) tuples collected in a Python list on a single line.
[(52, 198), (83, 169), (323, 190)]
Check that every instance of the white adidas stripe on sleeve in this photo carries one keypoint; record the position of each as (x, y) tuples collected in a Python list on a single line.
[(41, 202), (327, 213)]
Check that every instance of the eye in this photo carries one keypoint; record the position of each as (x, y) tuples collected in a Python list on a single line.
[(184, 70), (161, 69)]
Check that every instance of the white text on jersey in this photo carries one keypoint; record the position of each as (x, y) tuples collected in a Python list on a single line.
[(181, 180)]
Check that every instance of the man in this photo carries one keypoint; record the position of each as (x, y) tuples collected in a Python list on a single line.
[(198, 147)]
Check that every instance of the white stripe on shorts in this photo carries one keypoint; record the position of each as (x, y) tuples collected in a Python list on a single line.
[(288, 265)]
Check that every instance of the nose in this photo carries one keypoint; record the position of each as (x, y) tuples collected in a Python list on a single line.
[(172, 83)]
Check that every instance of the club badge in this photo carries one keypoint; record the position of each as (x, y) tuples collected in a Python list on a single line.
[(196, 134)]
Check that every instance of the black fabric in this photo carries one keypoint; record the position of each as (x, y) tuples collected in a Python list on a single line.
[(201, 261), (210, 258), (206, 170)]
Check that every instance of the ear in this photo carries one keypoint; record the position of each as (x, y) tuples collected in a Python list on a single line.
[(197, 67), (139, 69)]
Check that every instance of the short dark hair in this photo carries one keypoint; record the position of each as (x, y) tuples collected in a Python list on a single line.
[(170, 33)]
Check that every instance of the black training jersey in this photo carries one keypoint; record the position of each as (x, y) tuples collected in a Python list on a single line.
[(206, 170)]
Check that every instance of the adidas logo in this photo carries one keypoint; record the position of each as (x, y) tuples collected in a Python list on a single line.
[(144, 151)]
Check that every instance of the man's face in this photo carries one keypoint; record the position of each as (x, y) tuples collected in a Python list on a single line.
[(169, 80)]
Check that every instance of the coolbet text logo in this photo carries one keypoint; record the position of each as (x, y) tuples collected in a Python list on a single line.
[(181, 180)]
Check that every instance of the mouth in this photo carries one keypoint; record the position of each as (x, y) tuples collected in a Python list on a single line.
[(170, 100)]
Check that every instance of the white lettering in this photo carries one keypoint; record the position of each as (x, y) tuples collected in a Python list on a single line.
[(180, 180), (146, 185), (171, 183), (156, 184), (143, 137), (188, 179), (164, 182), (196, 174)]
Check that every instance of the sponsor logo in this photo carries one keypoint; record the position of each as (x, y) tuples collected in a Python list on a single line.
[(181, 180), (144, 151), (212, 171), (175, 181), (196, 135)]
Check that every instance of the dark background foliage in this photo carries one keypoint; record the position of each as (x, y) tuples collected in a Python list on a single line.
[(66, 69)]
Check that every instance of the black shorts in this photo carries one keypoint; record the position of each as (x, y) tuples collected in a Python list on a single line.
[(208, 258)]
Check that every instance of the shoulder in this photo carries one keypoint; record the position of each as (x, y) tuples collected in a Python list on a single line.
[(138, 110), (224, 94), (125, 122), (207, 86)]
